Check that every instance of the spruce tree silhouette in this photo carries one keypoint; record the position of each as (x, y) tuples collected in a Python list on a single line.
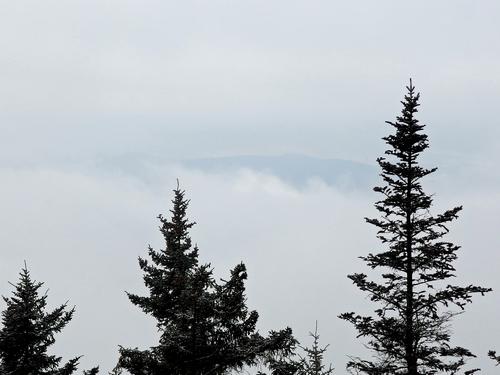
[(409, 332), (311, 363), (28, 332), (205, 326)]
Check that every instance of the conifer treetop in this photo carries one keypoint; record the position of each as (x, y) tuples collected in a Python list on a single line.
[(205, 326), (28, 331), (313, 364)]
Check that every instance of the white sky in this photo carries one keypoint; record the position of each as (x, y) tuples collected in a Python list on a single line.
[(86, 80)]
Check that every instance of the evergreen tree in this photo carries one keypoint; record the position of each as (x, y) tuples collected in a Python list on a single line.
[(409, 333), (293, 363), (313, 364), (205, 326), (28, 332)]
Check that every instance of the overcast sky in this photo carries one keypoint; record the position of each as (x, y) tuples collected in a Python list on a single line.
[(87, 81)]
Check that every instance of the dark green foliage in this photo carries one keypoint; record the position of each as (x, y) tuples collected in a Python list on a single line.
[(205, 326), (409, 333), (493, 355), (28, 332), (285, 365)]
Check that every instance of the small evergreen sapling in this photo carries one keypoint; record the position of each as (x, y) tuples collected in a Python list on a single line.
[(313, 364), (310, 363)]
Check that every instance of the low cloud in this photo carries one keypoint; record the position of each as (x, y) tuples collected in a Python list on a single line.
[(81, 233)]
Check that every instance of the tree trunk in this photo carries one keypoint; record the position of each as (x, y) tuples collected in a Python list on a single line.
[(410, 354)]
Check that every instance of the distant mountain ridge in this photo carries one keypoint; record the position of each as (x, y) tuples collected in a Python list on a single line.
[(294, 169)]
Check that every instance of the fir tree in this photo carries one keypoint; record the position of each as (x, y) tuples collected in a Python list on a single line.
[(310, 363), (409, 333), (205, 326), (28, 332), (313, 364)]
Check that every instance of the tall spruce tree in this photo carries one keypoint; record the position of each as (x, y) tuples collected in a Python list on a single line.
[(205, 326), (28, 332), (409, 332)]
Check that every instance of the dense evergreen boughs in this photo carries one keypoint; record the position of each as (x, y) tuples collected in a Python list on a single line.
[(205, 326), (493, 355), (92, 371), (28, 332), (409, 333)]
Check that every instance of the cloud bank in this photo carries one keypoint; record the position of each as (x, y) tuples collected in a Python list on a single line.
[(81, 233)]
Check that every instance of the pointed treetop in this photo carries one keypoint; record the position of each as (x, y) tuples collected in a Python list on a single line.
[(28, 331), (205, 326)]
